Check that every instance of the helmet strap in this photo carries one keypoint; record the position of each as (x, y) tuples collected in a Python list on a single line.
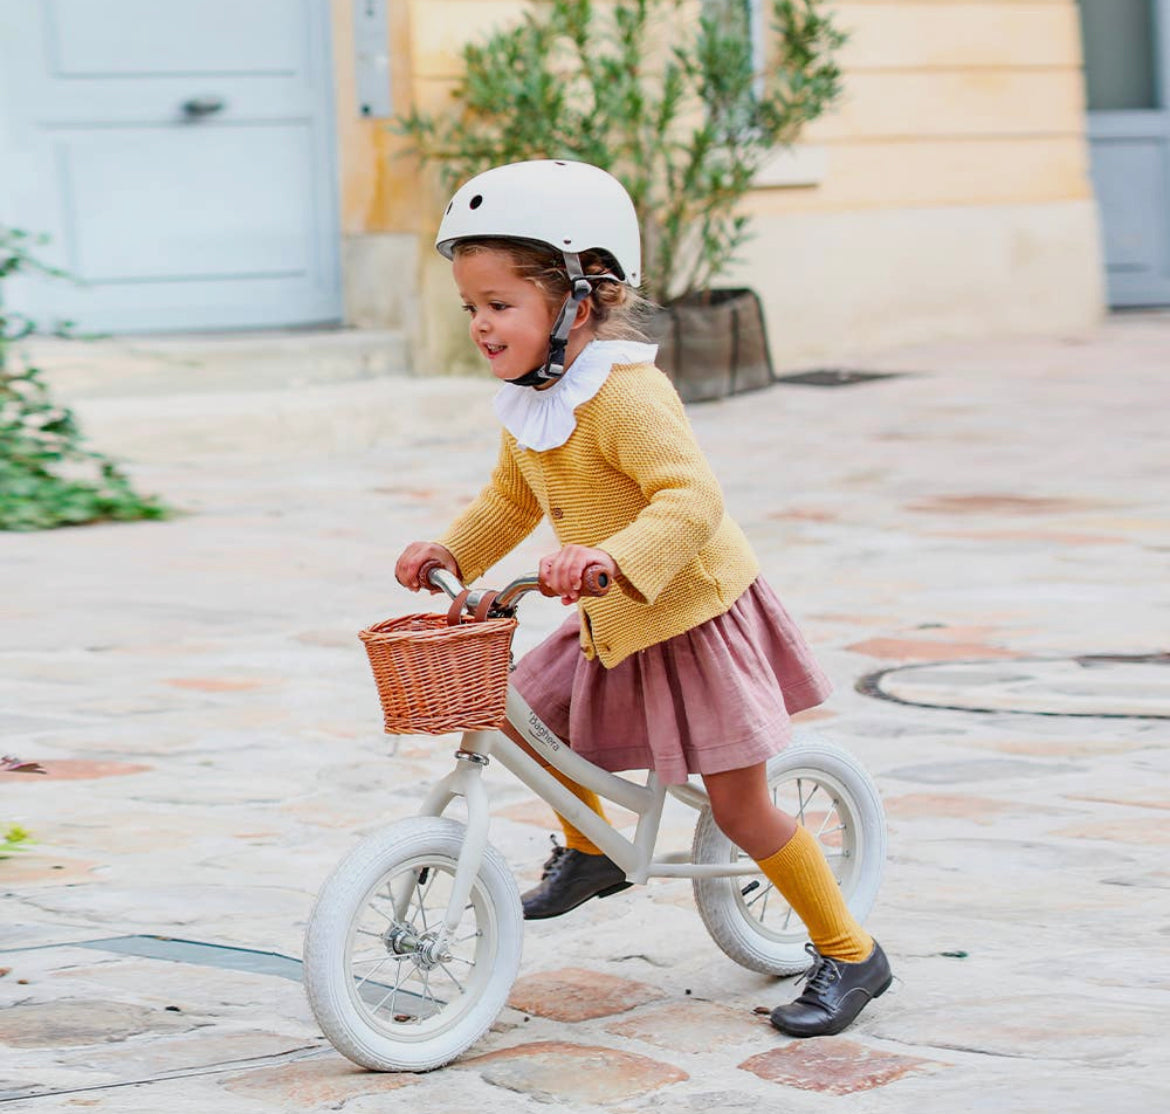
[(580, 288)]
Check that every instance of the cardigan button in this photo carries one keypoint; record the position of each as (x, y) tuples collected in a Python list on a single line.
[(556, 512)]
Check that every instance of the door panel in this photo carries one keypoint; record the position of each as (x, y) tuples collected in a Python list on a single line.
[(229, 224), (1127, 64), (173, 219), (1137, 222), (143, 38)]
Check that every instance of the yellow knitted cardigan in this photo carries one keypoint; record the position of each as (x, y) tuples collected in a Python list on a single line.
[(630, 480)]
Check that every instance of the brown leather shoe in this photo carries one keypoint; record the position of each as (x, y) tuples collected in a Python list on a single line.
[(835, 993), (570, 879)]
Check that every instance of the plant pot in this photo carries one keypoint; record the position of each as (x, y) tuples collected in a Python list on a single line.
[(713, 344)]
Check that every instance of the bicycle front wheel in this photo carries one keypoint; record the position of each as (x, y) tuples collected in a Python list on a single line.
[(390, 991), (830, 794)]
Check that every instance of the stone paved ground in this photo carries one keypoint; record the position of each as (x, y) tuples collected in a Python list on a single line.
[(197, 693)]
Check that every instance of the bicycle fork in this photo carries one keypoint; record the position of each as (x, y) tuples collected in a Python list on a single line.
[(466, 781)]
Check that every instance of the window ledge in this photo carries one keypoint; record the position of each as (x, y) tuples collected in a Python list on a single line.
[(791, 167)]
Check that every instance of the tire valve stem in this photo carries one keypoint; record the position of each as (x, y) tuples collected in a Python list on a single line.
[(423, 875), (754, 885)]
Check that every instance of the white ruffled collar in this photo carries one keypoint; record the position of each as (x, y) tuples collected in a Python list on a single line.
[(543, 420)]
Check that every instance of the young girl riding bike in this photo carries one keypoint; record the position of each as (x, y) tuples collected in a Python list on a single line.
[(692, 666)]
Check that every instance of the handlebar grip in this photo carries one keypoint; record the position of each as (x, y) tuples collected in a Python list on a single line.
[(425, 570), (595, 581)]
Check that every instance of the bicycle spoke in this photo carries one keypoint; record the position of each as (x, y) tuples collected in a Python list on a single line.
[(829, 814), (452, 977), (800, 799), (427, 995), (374, 909), (762, 894), (817, 787), (421, 896), (369, 974), (391, 994), (405, 898), (426, 894)]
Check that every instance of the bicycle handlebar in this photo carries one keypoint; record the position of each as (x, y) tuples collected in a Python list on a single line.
[(595, 581), (434, 574)]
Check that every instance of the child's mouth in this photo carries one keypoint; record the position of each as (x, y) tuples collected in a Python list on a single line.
[(493, 350)]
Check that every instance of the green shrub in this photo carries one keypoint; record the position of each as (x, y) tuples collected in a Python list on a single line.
[(48, 477)]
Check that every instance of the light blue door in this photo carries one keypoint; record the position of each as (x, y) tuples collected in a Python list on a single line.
[(1127, 69), (180, 153)]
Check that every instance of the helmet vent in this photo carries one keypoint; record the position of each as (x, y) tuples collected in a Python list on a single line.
[(450, 206), (476, 201)]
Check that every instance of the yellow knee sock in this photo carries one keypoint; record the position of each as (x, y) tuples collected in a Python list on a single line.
[(801, 873), (575, 839)]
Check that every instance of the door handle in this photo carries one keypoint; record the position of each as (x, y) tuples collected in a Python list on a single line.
[(198, 107)]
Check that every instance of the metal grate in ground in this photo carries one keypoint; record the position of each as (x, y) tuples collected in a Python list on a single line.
[(835, 377)]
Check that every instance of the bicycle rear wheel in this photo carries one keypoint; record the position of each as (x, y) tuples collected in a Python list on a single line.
[(833, 796), (388, 992)]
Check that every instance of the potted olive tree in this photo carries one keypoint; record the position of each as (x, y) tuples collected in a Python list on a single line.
[(672, 98)]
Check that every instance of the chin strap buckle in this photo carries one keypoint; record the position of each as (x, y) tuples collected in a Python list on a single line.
[(580, 289)]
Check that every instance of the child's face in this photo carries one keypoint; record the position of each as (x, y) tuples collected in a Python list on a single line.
[(510, 318)]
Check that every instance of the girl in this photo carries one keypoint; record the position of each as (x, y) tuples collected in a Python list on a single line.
[(693, 666)]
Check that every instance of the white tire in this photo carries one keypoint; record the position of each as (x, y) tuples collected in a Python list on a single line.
[(384, 990), (832, 795)]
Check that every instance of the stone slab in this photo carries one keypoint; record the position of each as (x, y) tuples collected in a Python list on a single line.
[(832, 1065), (326, 1082), (69, 1024), (578, 994), (692, 1026), (556, 1071)]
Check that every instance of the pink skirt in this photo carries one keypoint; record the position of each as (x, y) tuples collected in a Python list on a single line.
[(717, 697)]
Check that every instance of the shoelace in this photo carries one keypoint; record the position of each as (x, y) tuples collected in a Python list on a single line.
[(552, 863), (822, 974)]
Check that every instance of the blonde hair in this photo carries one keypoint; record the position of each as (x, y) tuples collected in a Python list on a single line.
[(617, 309)]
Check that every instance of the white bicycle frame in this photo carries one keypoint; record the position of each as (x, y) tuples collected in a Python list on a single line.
[(635, 857)]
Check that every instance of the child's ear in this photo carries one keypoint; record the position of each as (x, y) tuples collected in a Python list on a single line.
[(584, 314)]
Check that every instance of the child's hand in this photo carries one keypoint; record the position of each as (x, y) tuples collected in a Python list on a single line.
[(417, 554), (562, 571)]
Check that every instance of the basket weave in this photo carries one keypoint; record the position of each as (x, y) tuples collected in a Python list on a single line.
[(434, 678)]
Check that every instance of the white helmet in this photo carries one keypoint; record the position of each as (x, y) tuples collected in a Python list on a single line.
[(570, 206)]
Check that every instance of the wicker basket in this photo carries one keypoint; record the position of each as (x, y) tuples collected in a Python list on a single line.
[(434, 678)]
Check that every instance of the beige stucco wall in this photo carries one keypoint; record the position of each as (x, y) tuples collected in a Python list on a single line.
[(947, 195), (955, 198)]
